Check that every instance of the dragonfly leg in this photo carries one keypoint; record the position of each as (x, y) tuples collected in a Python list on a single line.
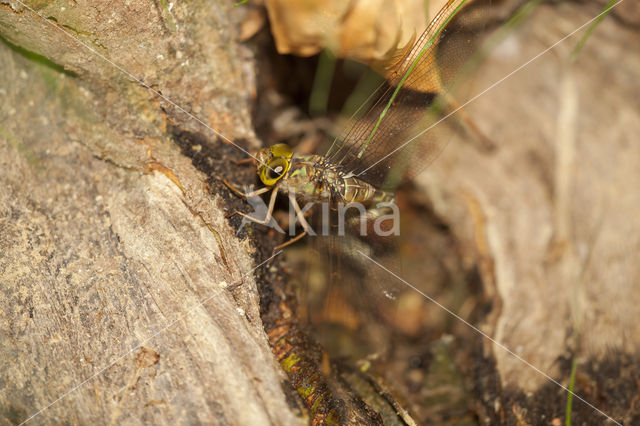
[(245, 194), (303, 222), (269, 216)]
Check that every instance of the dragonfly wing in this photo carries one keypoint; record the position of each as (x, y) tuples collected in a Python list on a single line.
[(377, 141)]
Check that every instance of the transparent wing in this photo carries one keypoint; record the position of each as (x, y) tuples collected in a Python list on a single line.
[(381, 138)]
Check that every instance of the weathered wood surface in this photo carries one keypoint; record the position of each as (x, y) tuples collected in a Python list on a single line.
[(109, 235), (115, 260), (551, 216)]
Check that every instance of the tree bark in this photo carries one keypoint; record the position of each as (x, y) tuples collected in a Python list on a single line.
[(126, 296), (550, 217), (118, 268)]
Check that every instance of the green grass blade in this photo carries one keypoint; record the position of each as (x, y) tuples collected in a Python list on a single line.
[(592, 27), (319, 97), (427, 46), (572, 382)]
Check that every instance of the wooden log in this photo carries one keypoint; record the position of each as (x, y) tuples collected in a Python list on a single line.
[(550, 217), (126, 296)]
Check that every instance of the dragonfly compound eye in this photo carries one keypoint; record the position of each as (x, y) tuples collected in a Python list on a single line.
[(274, 170)]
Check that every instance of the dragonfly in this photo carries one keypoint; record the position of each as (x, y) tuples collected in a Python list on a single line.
[(365, 163)]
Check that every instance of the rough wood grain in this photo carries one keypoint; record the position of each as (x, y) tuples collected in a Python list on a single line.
[(551, 216), (115, 260)]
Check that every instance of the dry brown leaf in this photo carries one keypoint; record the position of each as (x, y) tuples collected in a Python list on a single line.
[(366, 31)]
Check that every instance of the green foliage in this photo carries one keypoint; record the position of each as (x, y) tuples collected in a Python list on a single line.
[(576, 51)]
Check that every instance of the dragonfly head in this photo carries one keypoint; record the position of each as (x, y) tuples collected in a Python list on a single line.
[(274, 162)]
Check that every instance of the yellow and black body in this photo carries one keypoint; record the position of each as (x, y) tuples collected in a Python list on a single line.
[(313, 178)]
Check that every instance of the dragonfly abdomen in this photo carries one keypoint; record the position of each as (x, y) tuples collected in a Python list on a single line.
[(353, 190)]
